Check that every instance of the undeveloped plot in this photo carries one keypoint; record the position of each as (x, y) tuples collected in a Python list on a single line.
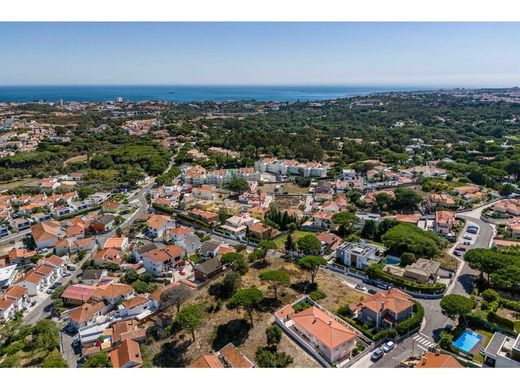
[(224, 325)]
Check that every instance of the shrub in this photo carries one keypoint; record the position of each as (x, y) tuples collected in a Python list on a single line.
[(274, 336), (413, 322), (344, 311), (301, 306), (501, 321), (446, 340), (267, 358), (490, 295), (317, 295), (512, 305), (390, 333)]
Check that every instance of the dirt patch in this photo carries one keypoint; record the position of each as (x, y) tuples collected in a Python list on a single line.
[(74, 159), (507, 313), (19, 183), (224, 325)]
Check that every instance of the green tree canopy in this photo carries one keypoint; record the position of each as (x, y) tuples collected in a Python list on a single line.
[(191, 318), (311, 264), (309, 245), (456, 306), (98, 360), (275, 278), (247, 299)]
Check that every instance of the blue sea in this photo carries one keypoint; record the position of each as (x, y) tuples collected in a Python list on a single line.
[(185, 93)]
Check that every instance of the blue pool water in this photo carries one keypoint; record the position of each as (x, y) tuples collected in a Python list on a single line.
[(467, 341), (392, 260)]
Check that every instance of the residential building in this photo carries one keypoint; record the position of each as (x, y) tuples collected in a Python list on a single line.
[(323, 220), (357, 254), (157, 225), (325, 334), (384, 309), (7, 275), (161, 261), (84, 315), (93, 276), (444, 222), (107, 256), (438, 360), (208, 269), (423, 271), (46, 234), (502, 351), (126, 355), (234, 358)]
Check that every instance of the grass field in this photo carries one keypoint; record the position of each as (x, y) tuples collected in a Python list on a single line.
[(280, 242)]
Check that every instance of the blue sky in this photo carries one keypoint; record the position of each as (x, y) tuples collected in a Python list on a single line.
[(394, 54)]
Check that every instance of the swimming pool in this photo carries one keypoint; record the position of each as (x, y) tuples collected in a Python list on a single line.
[(392, 260), (467, 341)]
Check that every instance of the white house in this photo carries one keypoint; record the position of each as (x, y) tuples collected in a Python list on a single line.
[(357, 254)]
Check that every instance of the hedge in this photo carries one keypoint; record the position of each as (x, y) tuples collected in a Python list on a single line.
[(501, 321), (512, 305), (401, 282), (164, 209), (413, 322)]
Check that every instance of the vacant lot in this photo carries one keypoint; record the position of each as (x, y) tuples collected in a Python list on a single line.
[(280, 242), (224, 325), (18, 183), (74, 159)]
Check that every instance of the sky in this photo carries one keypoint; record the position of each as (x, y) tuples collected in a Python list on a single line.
[(354, 54)]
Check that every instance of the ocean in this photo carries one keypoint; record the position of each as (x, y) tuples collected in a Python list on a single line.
[(185, 93)]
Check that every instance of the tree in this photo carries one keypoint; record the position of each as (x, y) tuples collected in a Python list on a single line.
[(289, 243), (446, 340), (406, 199), (312, 265), (506, 189), (383, 200), (236, 261), (309, 245), (275, 278), (98, 360), (406, 237), (238, 185), (231, 283), (246, 298), (130, 276), (369, 230), (456, 306), (345, 221), (265, 246), (268, 359), (54, 360), (274, 336), (174, 296), (47, 335), (407, 258), (191, 318), (140, 287)]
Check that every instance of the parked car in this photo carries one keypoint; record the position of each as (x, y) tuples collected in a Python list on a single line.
[(182, 272), (466, 243), (457, 253), (389, 345), (377, 354), (67, 274), (467, 237), (372, 291), (460, 249), (56, 284), (360, 287), (49, 291)]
